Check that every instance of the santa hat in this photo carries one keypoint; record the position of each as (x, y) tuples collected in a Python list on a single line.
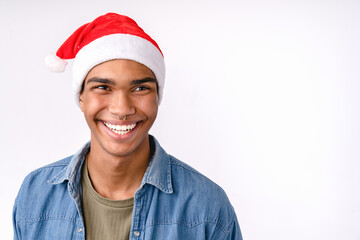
[(108, 37)]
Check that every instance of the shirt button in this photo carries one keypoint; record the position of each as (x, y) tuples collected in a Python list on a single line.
[(79, 230), (136, 233)]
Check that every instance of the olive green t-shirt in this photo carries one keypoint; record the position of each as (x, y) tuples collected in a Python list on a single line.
[(104, 218)]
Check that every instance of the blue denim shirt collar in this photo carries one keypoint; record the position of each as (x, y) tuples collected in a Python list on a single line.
[(158, 172)]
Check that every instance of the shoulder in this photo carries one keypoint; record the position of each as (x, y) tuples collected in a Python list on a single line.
[(35, 188), (45, 173), (188, 177), (43, 206), (201, 195)]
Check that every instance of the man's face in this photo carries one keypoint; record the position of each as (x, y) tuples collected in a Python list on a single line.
[(119, 87)]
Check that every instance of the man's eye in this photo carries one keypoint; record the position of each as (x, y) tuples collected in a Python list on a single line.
[(102, 87), (141, 88)]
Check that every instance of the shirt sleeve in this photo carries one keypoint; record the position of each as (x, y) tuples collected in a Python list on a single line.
[(15, 225), (235, 232)]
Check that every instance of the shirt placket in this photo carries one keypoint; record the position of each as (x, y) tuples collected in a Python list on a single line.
[(80, 223), (137, 231)]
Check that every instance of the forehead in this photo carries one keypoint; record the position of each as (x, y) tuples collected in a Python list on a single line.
[(120, 70)]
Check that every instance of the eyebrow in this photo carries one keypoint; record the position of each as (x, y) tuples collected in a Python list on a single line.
[(144, 80), (100, 80), (112, 82)]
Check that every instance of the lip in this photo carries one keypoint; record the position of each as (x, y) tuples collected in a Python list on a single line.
[(118, 136), (117, 122)]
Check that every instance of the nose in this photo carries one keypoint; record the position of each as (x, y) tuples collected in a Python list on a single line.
[(121, 104)]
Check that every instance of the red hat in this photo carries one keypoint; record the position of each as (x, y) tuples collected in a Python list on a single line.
[(110, 36)]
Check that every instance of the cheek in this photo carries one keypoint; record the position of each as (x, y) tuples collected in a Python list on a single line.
[(152, 110), (148, 106), (92, 104)]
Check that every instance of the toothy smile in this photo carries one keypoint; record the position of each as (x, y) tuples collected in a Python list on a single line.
[(120, 129)]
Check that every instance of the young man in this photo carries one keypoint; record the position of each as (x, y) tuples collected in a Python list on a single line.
[(122, 184)]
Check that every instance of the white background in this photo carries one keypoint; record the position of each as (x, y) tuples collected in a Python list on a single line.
[(260, 96)]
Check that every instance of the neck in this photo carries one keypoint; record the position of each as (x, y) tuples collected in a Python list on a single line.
[(117, 177)]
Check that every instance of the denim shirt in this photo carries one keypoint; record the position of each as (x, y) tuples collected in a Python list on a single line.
[(174, 201)]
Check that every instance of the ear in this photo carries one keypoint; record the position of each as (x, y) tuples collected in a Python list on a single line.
[(81, 102)]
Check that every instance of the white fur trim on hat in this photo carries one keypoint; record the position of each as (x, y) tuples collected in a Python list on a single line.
[(118, 46)]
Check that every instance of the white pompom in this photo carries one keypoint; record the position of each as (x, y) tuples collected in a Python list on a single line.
[(55, 64)]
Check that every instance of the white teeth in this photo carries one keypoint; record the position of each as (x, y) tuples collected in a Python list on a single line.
[(120, 129)]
